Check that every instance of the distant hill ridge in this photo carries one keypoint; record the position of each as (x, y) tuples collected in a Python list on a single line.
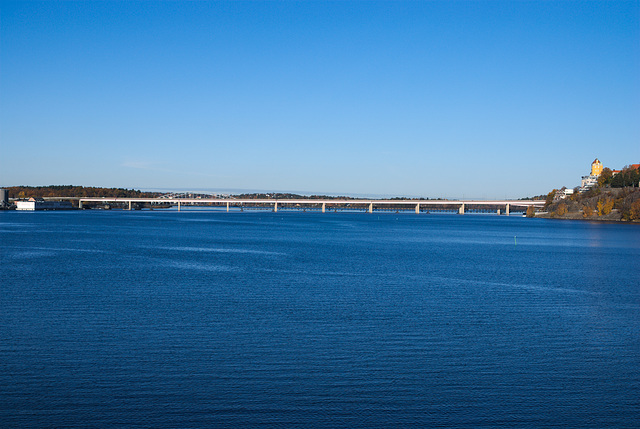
[(76, 191), (90, 191)]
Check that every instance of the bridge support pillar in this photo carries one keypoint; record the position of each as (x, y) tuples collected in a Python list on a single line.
[(80, 204), (507, 210), (461, 209), (227, 206), (275, 207), (324, 207), (179, 208), (370, 207), (129, 204), (498, 212), (418, 208)]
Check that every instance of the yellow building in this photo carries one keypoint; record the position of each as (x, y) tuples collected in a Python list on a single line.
[(596, 168)]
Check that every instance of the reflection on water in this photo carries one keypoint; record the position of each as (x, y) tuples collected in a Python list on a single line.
[(219, 250)]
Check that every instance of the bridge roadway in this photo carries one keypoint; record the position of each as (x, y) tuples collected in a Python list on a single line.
[(460, 204)]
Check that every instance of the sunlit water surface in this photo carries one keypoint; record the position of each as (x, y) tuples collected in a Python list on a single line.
[(258, 319)]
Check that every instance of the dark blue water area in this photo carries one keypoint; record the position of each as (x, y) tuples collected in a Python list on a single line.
[(257, 319)]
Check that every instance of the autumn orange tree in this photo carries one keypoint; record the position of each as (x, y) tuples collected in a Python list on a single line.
[(587, 211), (605, 176), (561, 210), (605, 206), (550, 196), (634, 211)]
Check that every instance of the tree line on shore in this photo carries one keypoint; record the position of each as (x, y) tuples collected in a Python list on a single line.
[(75, 191), (22, 192)]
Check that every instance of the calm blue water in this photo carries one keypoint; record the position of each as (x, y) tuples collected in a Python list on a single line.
[(259, 319)]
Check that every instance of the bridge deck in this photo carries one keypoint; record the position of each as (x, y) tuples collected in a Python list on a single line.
[(519, 203)]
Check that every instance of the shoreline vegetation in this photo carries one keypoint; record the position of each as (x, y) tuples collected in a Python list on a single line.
[(615, 197), (600, 203)]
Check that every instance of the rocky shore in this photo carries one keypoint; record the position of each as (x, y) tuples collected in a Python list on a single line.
[(614, 216)]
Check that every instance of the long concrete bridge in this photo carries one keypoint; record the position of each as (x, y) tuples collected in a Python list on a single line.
[(369, 205)]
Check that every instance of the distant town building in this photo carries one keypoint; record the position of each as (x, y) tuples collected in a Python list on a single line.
[(632, 166), (563, 193), (588, 182), (591, 180), (40, 204), (4, 198), (189, 195)]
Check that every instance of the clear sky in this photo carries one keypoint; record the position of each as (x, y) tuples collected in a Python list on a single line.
[(467, 99)]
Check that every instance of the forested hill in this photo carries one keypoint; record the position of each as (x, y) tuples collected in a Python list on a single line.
[(598, 203), (75, 191)]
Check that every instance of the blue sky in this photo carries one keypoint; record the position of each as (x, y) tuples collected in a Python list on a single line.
[(430, 99)]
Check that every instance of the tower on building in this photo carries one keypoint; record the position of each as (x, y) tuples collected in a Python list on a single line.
[(596, 167)]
